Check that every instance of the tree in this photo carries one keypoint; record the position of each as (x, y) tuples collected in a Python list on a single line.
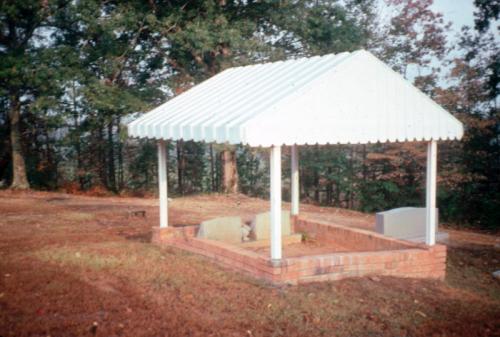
[(115, 72), (487, 11), (230, 180), (20, 22), (415, 35), (473, 183), (321, 27)]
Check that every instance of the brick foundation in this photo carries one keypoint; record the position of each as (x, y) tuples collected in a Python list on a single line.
[(374, 255)]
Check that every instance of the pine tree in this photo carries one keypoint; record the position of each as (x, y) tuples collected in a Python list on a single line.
[(22, 40)]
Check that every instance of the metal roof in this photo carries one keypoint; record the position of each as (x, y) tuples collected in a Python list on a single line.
[(347, 98)]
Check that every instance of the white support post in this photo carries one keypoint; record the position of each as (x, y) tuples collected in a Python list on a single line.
[(275, 160), (430, 226), (162, 183), (295, 180)]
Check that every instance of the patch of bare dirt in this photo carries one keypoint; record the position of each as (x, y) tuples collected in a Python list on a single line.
[(83, 266)]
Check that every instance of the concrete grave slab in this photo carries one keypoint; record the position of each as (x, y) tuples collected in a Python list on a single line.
[(227, 229), (261, 225)]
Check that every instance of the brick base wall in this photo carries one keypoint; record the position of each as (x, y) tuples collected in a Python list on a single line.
[(386, 256), (354, 238)]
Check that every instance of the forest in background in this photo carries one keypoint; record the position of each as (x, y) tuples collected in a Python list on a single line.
[(73, 73)]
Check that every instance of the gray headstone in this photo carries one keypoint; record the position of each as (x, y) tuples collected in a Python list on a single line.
[(441, 237), (261, 225), (227, 229), (403, 223)]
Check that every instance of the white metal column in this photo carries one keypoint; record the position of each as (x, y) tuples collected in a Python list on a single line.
[(295, 180), (275, 160), (430, 226), (162, 183)]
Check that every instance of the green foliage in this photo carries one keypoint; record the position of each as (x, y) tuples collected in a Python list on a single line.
[(194, 167), (379, 195), (80, 70), (472, 195), (487, 11), (322, 27), (253, 172), (142, 166)]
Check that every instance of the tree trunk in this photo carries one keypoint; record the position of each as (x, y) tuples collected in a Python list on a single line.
[(212, 168), (19, 178), (101, 155), (111, 158), (229, 171), (338, 190), (77, 140), (316, 177), (364, 168), (316, 186), (121, 180), (50, 166), (329, 188), (181, 164), (350, 203)]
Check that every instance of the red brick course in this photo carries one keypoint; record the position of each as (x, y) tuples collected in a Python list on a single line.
[(380, 255)]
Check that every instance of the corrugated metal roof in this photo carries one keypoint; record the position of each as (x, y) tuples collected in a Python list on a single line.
[(347, 98)]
